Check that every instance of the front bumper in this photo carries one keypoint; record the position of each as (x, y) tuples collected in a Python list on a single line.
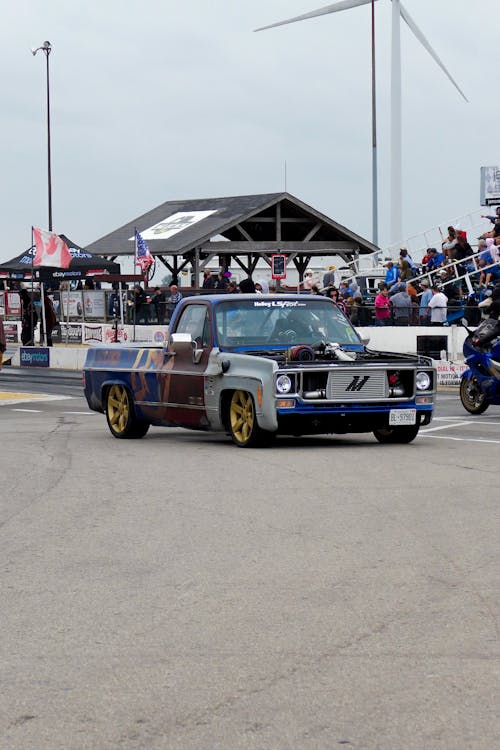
[(306, 419)]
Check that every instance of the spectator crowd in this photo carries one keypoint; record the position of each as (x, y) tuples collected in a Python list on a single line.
[(431, 292)]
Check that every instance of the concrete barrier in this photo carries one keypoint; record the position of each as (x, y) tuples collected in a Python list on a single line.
[(389, 339), (404, 339)]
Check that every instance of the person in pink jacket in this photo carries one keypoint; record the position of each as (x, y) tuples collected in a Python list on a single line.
[(382, 308)]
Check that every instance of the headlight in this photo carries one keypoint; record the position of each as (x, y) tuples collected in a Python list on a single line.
[(283, 384), (422, 381)]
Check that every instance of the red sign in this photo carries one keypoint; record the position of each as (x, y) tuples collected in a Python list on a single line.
[(12, 303), (278, 266)]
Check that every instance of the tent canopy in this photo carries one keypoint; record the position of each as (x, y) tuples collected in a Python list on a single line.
[(83, 264)]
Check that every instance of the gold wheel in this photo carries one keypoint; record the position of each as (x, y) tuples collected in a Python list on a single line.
[(118, 410), (242, 417)]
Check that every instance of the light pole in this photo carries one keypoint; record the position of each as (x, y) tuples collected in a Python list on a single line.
[(46, 48)]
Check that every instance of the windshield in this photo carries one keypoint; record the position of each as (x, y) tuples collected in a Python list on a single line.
[(266, 322)]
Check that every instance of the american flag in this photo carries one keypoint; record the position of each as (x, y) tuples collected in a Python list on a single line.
[(143, 257)]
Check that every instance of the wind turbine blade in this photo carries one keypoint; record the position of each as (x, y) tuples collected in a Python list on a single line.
[(423, 41), (333, 8)]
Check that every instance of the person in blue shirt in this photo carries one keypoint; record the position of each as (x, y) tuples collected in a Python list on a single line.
[(492, 218), (424, 303), (436, 259), (392, 274)]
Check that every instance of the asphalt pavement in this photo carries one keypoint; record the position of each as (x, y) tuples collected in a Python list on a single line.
[(179, 593)]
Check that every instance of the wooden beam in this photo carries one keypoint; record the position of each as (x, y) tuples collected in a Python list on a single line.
[(325, 247), (269, 219), (243, 232), (313, 231)]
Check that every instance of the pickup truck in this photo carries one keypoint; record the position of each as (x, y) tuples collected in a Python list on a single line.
[(256, 366)]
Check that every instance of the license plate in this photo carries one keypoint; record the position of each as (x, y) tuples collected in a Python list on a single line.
[(402, 416)]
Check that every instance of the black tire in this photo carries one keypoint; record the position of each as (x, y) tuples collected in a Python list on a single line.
[(472, 397), (242, 422), (120, 414), (397, 434)]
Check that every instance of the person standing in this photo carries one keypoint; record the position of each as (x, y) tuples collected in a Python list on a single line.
[(448, 245), (50, 318), (261, 286), (382, 308), (29, 318), (438, 307), (175, 295), (208, 279), (221, 280), (139, 302), (424, 302), (401, 306), (310, 280), (329, 277), (3, 341), (159, 304)]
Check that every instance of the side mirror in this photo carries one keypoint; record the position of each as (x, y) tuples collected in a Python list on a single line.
[(366, 340), (183, 344)]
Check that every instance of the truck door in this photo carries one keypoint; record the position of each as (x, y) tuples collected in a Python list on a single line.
[(183, 376)]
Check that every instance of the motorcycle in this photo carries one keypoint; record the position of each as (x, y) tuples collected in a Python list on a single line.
[(480, 384)]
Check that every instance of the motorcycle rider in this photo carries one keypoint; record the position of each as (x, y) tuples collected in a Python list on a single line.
[(480, 384), (492, 306)]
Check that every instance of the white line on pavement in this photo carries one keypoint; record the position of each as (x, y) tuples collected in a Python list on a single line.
[(444, 427), (462, 440), (472, 419), (32, 411)]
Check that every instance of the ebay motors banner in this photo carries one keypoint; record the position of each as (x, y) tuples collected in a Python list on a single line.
[(34, 356)]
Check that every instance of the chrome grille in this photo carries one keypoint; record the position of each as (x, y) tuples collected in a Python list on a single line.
[(357, 385)]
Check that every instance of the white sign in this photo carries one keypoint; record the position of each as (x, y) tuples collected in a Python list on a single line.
[(490, 185), (72, 304), (174, 224), (449, 373), (93, 304)]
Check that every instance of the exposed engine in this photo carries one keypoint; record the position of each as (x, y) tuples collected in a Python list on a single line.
[(322, 351)]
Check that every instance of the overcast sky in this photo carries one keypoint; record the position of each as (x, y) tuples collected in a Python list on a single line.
[(155, 100)]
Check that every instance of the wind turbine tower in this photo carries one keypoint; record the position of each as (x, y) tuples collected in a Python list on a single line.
[(398, 13)]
